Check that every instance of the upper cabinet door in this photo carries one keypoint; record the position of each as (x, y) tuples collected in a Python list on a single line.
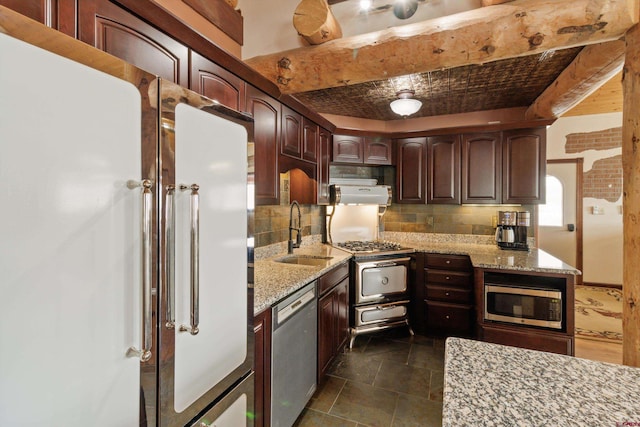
[(213, 81), (324, 144), (378, 151), (481, 168), (290, 140), (524, 165), (266, 135), (411, 170), (309, 140), (347, 149), (57, 14), (108, 27), (443, 175)]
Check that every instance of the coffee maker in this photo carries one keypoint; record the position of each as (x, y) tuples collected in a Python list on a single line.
[(511, 232)]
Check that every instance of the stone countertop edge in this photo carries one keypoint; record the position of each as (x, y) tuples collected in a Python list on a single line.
[(496, 385), (274, 281)]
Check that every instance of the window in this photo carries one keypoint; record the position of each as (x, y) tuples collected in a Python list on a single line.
[(551, 213)]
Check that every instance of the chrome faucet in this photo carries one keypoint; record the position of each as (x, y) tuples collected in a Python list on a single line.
[(298, 230)]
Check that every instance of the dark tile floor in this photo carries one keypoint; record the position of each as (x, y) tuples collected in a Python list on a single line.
[(389, 379)]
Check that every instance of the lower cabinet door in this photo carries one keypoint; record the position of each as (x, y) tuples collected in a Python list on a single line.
[(449, 318), (326, 333)]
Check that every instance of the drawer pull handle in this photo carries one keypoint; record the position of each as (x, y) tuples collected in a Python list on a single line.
[(446, 293), (448, 278), (446, 317), (448, 261)]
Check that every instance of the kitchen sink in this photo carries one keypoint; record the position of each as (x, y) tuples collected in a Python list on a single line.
[(313, 260)]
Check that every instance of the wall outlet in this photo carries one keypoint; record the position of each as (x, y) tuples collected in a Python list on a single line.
[(597, 210)]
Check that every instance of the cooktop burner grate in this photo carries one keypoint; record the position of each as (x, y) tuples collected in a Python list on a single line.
[(369, 246)]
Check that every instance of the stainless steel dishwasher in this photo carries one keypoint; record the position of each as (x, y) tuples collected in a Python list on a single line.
[(293, 355)]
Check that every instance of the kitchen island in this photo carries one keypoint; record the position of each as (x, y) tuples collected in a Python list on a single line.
[(494, 385)]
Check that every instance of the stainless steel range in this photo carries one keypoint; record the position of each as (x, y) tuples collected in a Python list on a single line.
[(379, 291)]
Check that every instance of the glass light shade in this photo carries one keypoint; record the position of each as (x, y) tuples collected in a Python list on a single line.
[(405, 106)]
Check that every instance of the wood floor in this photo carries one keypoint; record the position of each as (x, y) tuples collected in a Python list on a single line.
[(602, 351)]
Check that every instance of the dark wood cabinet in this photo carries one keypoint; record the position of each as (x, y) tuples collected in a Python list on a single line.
[(367, 150), (377, 151), (347, 149), (560, 341), (290, 139), (324, 159), (504, 167), (448, 291), (443, 169), (310, 135), (411, 170), (524, 165), (262, 367), (482, 168), (266, 135), (209, 79), (333, 316), (116, 31), (57, 14)]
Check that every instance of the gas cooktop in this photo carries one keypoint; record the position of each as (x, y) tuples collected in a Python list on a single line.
[(372, 247)]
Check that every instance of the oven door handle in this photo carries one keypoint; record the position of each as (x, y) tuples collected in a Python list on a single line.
[(383, 308), (386, 264)]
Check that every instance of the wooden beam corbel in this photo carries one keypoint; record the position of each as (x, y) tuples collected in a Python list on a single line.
[(631, 200), (315, 22), (594, 66), (518, 28)]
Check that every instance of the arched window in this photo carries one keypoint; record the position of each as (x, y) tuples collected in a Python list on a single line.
[(551, 213)]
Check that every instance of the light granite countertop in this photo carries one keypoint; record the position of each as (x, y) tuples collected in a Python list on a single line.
[(274, 281), (483, 252), (493, 385)]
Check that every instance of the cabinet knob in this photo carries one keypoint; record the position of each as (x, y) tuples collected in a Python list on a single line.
[(448, 261), (446, 293), (448, 278), (446, 317)]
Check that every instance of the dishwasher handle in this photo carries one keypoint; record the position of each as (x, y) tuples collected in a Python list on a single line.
[(284, 311)]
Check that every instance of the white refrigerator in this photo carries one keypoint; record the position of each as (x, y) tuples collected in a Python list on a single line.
[(125, 253)]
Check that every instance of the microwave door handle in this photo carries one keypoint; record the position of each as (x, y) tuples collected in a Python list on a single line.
[(170, 252), (195, 260), (144, 353)]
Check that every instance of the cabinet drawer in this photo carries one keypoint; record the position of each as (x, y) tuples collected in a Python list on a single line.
[(448, 262), (449, 278), (449, 317), (454, 295), (332, 278), (529, 338)]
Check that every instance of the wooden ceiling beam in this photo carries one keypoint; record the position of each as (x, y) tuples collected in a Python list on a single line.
[(518, 28), (594, 66)]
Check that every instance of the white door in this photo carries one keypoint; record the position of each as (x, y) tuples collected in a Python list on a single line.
[(558, 218), (69, 246), (210, 152)]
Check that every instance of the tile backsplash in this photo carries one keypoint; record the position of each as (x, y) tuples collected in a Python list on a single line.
[(271, 223)]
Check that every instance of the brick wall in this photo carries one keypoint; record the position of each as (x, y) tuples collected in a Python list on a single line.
[(604, 180), (600, 140)]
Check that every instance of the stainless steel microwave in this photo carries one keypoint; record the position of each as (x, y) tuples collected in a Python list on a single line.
[(523, 305)]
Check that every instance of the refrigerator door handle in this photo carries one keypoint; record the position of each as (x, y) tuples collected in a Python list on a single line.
[(195, 260), (144, 353), (170, 239)]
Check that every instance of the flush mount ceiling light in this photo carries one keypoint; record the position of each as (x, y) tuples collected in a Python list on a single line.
[(365, 4), (404, 9), (405, 105)]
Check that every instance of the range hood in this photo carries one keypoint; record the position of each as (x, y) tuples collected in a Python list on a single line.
[(355, 194)]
